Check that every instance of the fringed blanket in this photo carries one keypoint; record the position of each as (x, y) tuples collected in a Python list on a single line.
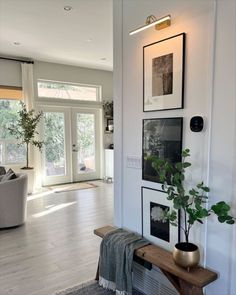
[(116, 257)]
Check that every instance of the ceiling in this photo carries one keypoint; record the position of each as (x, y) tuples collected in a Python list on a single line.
[(46, 32)]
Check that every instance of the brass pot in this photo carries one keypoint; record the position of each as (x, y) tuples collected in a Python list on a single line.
[(186, 255)]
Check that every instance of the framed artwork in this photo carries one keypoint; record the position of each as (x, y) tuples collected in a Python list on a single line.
[(163, 74), (109, 126), (155, 226), (161, 138)]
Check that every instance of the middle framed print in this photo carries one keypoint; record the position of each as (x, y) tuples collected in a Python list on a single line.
[(162, 138), (163, 74)]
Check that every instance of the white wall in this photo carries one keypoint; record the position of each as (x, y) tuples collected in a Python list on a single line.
[(221, 239), (197, 20), (10, 73)]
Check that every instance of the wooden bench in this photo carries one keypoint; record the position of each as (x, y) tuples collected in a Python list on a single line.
[(186, 283)]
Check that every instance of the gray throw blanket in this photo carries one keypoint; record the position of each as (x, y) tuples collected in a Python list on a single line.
[(116, 257)]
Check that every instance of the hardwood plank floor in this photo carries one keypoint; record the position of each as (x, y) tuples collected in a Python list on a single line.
[(56, 248)]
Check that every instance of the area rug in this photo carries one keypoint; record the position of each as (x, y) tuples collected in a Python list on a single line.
[(90, 288), (71, 187)]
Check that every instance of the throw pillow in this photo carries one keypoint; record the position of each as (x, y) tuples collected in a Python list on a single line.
[(2, 170), (9, 175)]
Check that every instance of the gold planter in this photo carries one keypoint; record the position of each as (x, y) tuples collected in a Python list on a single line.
[(186, 255)]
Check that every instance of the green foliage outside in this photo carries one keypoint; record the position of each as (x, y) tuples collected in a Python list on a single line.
[(54, 136), (85, 135), (191, 202), (8, 115)]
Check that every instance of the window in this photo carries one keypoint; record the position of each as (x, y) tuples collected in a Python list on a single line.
[(64, 90), (10, 152)]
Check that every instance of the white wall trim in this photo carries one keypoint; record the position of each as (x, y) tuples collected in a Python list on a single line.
[(210, 108), (118, 110)]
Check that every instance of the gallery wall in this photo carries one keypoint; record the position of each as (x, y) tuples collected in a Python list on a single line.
[(197, 19)]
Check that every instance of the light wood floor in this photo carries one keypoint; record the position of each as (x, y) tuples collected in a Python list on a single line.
[(56, 248)]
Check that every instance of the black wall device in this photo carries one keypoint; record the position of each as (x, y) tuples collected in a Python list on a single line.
[(196, 124)]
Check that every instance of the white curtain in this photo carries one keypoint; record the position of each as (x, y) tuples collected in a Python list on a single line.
[(28, 98), (28, 85)]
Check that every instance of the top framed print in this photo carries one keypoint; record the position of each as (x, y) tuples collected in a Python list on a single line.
[(163, 74)]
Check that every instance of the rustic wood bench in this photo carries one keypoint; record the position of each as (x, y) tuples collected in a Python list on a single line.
[(186, 283)]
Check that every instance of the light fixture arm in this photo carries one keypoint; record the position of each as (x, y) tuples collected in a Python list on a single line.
[(150, 19)]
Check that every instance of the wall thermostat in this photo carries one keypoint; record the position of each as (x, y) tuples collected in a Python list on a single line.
[(196, 123)]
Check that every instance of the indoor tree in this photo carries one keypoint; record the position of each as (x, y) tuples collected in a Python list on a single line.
[(25, 130)]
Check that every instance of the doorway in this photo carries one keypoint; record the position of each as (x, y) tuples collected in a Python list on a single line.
[(72, 150)]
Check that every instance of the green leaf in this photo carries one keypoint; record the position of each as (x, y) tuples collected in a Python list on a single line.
[(230, 221), (185, 153), (222, 219), (178, 166), (205, 189), (186, 165)]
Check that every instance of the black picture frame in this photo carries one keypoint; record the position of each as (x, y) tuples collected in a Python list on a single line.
[(163, 74), (109, 126), (158, 231), (161, 137)]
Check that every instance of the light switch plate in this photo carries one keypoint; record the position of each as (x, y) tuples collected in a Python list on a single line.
[(133, 162)]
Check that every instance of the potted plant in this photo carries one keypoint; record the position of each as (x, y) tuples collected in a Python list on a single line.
[(191, 202), (25, 130)]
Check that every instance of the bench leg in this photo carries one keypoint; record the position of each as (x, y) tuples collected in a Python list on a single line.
[(188, 289), (97, 273)]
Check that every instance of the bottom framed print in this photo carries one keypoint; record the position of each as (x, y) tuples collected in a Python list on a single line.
[(155, 227)]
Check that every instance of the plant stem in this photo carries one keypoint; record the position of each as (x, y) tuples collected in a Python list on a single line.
[(27, 155), (186, 231)]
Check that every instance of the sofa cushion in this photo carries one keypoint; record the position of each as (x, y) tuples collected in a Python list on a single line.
[(9, 175), (2, 170)]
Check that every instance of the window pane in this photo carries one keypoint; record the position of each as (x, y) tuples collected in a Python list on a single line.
[(86, 143), (54, 138), (8, 115), (15, 153), (67, 91), (10, 152)]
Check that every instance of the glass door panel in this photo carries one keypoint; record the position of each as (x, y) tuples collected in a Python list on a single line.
[(56, 157), (85, 144), (54, 138)]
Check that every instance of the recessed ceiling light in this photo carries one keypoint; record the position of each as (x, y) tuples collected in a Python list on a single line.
[(16, 43), (103, 58), (68, 8)]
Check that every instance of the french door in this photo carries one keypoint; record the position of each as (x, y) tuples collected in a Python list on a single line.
[(85, 144), (72, 150)]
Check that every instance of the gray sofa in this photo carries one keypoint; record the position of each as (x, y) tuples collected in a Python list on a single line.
[(13, 201)]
